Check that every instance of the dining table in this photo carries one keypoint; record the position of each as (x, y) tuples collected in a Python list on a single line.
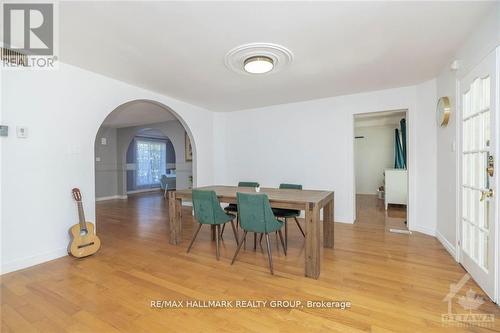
[(312, 202)]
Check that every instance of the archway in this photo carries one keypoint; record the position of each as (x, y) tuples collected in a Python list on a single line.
[(120, 127)]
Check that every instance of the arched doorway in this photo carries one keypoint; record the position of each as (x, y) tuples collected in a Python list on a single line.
[(115, 160)]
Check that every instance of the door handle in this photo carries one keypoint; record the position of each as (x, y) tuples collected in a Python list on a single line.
[(486, 194)]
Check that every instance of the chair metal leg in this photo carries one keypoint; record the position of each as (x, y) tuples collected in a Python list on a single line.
[(286, 233), (260, 240), (165, 193), (217, 236), (269, 254), (298, 225), (194, 237), (239, 247), (254, 241), (222, 232), (282, 241), (235, 232)]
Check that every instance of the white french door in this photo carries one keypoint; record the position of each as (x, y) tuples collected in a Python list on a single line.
[(478, 115), (151, 162)]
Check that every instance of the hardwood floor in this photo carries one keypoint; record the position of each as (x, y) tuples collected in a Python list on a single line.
[(395, 282), (368, 206)]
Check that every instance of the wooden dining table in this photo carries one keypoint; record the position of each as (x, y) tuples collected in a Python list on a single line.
[(310, 201)]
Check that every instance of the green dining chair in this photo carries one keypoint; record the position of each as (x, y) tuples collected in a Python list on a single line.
[(233, 208), (289, 213), (256, 216), (207, 210)]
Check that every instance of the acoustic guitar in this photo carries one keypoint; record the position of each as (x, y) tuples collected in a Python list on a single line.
[(84, 241)]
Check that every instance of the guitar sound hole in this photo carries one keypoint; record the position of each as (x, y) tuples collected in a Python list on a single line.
[(85, 245)]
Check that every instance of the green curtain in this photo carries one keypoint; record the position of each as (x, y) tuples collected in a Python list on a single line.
[(398, 156)]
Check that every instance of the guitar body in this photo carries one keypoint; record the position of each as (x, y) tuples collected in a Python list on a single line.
[(84, 241), (83, 244)]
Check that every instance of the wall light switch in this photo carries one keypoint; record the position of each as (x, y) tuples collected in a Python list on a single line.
[(98, 159), (22, 132), (104, 141), (453, 146)]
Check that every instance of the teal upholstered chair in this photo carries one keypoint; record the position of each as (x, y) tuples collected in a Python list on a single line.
[(207, 210), (233, 208), (164, 185), (289, 213), (256, 216)]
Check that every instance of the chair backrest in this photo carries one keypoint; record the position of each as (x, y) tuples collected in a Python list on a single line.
[(255, 213), (207, 209), (291, 186), (248, 184), (163, 182)]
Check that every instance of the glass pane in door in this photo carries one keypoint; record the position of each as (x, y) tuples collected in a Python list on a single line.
[(475, 149)]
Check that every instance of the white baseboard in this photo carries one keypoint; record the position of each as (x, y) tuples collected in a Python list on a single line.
[(342, 219), (145, 190), (113, 197), (447, 245), (424, 230), (33, 260)]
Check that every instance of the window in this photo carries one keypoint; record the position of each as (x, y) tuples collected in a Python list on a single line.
[(151, 162)]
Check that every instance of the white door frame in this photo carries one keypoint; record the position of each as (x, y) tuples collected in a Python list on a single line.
[(458, 150), (410, 163)]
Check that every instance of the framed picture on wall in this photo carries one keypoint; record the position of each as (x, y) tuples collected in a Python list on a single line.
[(188, 150)]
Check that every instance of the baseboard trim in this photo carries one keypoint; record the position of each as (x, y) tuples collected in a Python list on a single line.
[(18, 264), (145, 190), (113, 197), (424, 230), (447, 245)]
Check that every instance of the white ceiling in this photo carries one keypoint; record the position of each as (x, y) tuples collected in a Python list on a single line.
[(178, 48), (137, 113)]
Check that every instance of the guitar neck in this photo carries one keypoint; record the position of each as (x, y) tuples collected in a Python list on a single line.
[(81, 216)]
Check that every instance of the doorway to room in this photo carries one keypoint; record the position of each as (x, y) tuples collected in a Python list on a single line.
[(381, 169), (141, 147)]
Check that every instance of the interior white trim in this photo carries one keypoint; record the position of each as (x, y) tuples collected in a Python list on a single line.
[(424, 230), (144, 190), (447, 245), (112, 197), (18, 264)]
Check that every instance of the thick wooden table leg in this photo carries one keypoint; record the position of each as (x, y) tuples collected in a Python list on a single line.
[(328, 225), (175, 218), (313, 240)]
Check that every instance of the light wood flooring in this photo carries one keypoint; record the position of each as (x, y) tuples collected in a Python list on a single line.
[(396, 282)]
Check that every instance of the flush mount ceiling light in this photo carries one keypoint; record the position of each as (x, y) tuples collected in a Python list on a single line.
[(258, 58), (258, 65)]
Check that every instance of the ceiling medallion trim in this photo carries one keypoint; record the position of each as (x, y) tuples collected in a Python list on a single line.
[(235, 58)]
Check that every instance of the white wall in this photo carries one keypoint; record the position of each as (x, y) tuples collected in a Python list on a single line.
[(106, 169), (479, 44), (311, 143), (63, 110), (373, 153)]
